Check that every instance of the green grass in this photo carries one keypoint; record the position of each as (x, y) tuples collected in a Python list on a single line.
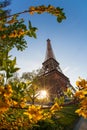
[(67, 117), (62, 120)]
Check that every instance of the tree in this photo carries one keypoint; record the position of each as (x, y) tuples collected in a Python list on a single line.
[(29, 75), (13, 94), (32, 92), (13, 30)]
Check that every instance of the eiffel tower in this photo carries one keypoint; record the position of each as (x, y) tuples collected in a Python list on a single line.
[(53, 79), (50, 62)]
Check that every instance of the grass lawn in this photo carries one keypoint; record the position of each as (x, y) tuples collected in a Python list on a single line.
[(63, 120), (67, 117)]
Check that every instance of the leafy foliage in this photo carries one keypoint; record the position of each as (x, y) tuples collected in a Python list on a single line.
[(4, 13), (81, 95), (15, 113), (13, 30), (8, 65), (60, 100), (56, 11), (12, 33)]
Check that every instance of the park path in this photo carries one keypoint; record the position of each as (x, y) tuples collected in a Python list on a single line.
[(81, 125)]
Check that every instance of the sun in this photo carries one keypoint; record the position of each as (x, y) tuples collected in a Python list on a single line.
[(42, 94)]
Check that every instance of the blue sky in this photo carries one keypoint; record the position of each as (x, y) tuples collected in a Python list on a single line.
[(68, 39)]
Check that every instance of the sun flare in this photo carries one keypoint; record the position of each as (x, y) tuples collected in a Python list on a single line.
[(42, 94)]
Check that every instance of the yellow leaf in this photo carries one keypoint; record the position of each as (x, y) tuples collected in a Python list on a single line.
[(55, 107)]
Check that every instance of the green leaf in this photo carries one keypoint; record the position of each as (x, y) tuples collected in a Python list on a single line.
[(59, 19), (29, 34), (34, 35), (30, 26)]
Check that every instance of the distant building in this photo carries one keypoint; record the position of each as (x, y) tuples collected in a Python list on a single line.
[(52, 78)]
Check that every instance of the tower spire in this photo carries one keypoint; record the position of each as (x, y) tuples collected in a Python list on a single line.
[(49, 51), (50, 62)]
